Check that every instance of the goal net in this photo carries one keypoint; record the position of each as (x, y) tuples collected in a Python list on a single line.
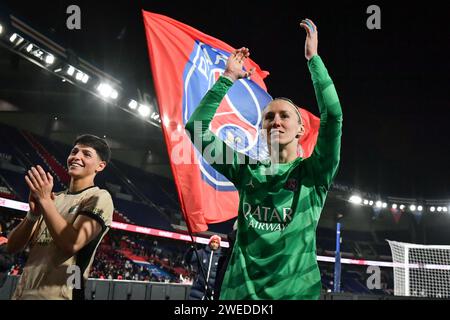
[(421, 270)]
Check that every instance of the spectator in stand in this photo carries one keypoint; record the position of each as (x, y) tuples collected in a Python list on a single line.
[(209, 257)]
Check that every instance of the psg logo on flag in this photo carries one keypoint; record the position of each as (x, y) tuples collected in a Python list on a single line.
[(238, 118)]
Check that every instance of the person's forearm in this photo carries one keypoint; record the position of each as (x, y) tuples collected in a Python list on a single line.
[(63, 234), (217, 153), (326, 95), (327, 149), (204, 113), (19, 237)]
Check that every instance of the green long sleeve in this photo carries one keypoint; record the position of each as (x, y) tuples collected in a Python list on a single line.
[(217, 153), (326, 155)]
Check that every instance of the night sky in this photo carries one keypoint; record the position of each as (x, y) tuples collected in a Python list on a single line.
[(393, 83)]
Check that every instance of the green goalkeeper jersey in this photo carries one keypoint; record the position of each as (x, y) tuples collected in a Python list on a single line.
[(274, 256)]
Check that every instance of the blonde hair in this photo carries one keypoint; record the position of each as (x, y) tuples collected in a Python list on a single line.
[(291, 103)]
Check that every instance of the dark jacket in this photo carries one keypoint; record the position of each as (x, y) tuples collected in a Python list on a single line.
[(223, 264), (6, 261), (209, 261)]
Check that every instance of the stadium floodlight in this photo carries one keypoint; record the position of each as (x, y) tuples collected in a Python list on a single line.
[(402, 206), (35, 51), (444, 209), (49, 59), (1, 29), (105, 89), (355, 199), (384, 205), (420, 208), (13, 37), (155, 116), (144, 110), (378, 204), (432, 209), (38, 53), (412, 208), (85, 78), (366, 202), (439, 209), (133, 104), (394, 206), (71, 71), (370, 203), (79, 75), (114, 94), (16, 39)]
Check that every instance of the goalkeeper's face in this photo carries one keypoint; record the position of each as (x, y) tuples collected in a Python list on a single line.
[(282, 123)]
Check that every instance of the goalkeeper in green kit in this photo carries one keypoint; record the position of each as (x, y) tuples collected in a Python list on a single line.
[(280, 200)]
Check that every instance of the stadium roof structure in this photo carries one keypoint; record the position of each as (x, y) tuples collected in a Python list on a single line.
[(49, 90)]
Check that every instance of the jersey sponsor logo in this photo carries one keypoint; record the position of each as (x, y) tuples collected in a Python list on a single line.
[(44, 238), (267, 218), (267, 226), (238, 117)]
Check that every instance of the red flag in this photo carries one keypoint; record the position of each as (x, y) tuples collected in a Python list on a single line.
[(309, 139), (185, 64)]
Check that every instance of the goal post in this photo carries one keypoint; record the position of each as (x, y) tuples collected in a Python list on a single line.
[(421, 270)]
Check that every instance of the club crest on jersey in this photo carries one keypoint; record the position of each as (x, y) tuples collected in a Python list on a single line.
[(291, 184), (239, 116)]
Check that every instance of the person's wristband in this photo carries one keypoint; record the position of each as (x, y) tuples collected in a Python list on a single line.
[(32, 217)]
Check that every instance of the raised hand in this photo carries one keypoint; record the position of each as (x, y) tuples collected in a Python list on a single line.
[(312, 41), (40, 184), (235, 63)]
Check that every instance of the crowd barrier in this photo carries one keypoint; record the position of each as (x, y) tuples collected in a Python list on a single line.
[(97, 289)]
